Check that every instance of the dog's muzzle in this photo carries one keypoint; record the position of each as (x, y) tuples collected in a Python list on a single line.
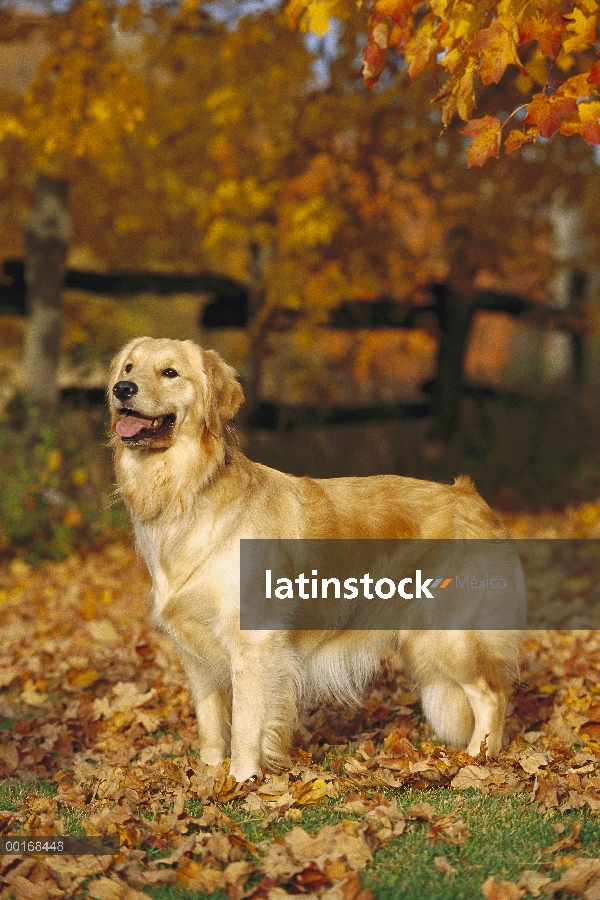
[(125, 390)]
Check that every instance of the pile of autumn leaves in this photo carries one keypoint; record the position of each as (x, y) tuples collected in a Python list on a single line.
[(94, 702)]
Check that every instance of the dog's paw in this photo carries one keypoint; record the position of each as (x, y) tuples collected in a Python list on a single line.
[(212, 756), (245, 773)]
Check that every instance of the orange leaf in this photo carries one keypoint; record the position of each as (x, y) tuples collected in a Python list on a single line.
[(500, 890), (499, 51), (547, 30), (585, 123), (516, 139), (594, 74), (546, 112), (576, 86), (486, 134), (375, 55), (398, 10)]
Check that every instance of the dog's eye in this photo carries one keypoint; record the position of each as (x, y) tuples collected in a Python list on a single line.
[(128, 367), (170, 373)]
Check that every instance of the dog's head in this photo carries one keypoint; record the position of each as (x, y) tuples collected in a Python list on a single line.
[(159, 389)]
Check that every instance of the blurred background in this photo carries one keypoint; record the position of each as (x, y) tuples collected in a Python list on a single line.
[(204, 172)]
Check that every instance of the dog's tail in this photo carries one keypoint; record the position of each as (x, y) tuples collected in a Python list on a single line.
[(448, 711)]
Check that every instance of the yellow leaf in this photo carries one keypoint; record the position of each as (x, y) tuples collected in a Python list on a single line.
[(10, 125), (465, 94), (497, 44), (317, 791), (420, 50), (318, 15), (79, 477), (83, 678), (582, 30)]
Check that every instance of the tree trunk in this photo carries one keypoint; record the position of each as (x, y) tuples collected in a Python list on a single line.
[(46, 245)]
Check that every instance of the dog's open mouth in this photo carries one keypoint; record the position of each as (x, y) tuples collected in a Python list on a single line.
[(134, 428)]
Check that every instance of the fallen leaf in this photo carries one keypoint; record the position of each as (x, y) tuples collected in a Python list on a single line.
[(332, 842), (443, 865), (500, 890), (533, 882), (113, 889), (471, 776), (531, 761), (423, 811), (197, 877)]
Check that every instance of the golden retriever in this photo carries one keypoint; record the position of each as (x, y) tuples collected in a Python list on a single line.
[(193, 495)]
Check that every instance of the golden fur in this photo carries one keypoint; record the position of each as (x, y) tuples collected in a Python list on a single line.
[(192, 498)]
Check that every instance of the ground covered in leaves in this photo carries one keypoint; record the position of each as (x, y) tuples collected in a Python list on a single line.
[(98, 737)]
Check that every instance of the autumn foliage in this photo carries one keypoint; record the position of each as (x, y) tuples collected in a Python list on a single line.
[(93, 706), (547, 45)]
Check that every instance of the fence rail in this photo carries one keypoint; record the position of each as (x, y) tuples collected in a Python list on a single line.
[(230, 308)]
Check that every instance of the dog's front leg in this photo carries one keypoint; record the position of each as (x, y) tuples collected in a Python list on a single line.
[(250, 697), (263, 706), (212, 710)]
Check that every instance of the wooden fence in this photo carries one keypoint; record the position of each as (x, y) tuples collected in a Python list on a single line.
[(230, 306)]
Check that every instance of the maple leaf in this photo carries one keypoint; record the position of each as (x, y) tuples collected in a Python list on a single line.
[(594, 74), (421, 49), (576, 86), (465, 93), (582, 31), (497, 45), (517, 139), (314, 15), (546, 112), (585, 123), (375, 55), (485, 134), (546, 29), (399, 11)]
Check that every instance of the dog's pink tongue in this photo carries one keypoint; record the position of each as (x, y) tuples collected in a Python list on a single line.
[(131, 425)]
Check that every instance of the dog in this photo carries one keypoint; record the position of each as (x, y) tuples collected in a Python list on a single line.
[(192, 495)]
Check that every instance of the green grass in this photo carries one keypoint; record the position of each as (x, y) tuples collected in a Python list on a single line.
[(11, 792), (506, 835), (175, 892)]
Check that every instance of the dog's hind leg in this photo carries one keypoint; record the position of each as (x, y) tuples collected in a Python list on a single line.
[(448, 711), (464, 680), (466, 713), (489, 709)]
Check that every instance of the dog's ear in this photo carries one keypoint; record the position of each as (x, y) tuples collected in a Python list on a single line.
[(224, 394)]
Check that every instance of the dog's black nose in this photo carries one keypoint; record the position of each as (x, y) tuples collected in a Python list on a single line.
[(124, 390)]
